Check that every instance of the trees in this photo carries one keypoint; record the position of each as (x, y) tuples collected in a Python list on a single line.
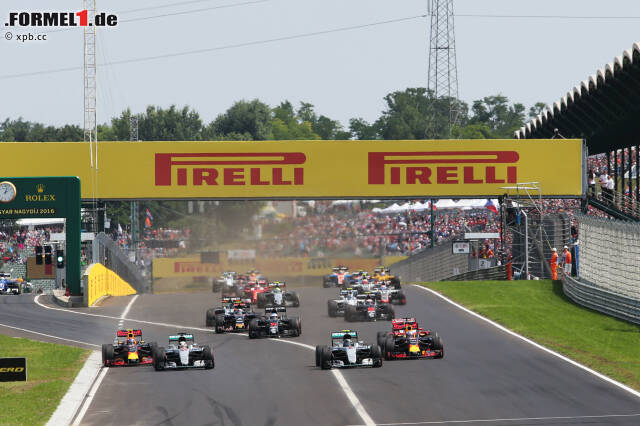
[(496, 114), (244, 121)]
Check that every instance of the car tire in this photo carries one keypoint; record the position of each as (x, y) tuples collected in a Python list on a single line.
[(376, 354), (380, 338), (326, 283), (219, 323), (210, 320), (160, 359), (332, 308), (389, 346), (318, 355), (437, 345), (325, 358), (348, 313), (296, 325), (207, 357), (261, 300), (395, 282), (253, 328), (401, 298), (107, 354)]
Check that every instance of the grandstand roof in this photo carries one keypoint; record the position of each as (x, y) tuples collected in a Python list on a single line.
[(603, 109)]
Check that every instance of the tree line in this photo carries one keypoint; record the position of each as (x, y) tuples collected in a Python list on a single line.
[(409, 114)]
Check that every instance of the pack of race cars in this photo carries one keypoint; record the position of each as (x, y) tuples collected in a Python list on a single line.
[(362, 297)]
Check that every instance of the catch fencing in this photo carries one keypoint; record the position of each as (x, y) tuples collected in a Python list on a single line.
[(609, 255), (432, 264), (107, 252)]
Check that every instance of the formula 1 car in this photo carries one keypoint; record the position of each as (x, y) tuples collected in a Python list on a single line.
[(383, 274), (233, 315), (252, 289), (346, 351), (391, 295), (9, 285), (128, 351), (368, 309), (182, 352), (336, 307), (226, 283), (275, 323), (275, 296), (337, 278), (407, 340)]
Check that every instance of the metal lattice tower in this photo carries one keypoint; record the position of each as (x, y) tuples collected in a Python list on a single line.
[(90, 85), (133, 128), (443, 71)]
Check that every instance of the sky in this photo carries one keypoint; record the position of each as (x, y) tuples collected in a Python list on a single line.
[(345, 74)]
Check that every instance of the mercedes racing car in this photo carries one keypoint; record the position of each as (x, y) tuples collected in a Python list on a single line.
[(407, 340), (233, 315), (367, 308), (275, 323), (276, 296), (346, 351), (182, 352), (129, 351)]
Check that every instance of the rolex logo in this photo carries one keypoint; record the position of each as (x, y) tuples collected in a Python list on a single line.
[(40, 188)]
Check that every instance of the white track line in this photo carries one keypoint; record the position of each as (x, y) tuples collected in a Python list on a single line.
[(126, 310), (353, 399), (523, 419), (531, 342), (89, 397), (48, 335)]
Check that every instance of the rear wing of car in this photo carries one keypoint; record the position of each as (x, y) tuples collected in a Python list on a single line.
[(340, 334), (185, 336), (274, 309), (231, 299), (129, 333)]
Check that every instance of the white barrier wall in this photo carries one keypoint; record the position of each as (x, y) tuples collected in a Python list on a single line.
[(609, 254)]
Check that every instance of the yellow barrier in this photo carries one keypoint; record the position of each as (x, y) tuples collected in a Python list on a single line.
[(105, 282)]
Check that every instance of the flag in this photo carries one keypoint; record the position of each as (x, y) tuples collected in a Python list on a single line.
[(148, 219), (119, 229), (489, 205)]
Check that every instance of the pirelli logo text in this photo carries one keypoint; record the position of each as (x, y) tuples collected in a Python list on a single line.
[(229, 169), (443, 167)]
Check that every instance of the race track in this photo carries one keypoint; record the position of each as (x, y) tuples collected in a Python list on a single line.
[(486, 376)]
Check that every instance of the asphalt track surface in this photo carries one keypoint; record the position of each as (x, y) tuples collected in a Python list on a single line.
[(486, 376)]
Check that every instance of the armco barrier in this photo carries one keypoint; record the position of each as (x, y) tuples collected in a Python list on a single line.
[(432, 264), (601, 300), (100, 281)]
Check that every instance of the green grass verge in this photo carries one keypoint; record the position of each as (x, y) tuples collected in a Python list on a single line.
[(51, 369), (540, 311)]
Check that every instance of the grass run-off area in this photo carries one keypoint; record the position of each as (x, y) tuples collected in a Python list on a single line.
[(540, 311), (51, 369)]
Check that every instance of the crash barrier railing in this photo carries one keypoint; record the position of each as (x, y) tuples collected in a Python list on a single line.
[(100, 281), (432, 264), (496, 273), (596, 298), (609, 254), (107, 252)]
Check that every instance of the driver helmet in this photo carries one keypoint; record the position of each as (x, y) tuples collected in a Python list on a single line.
[(346, 340), (365, 281), (408, 327), (273, 316), (383, 287), (183, 344), (277, 288), (131, 341)]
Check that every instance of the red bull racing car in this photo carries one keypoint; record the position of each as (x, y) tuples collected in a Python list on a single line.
[(407, 340), (131, 350)]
